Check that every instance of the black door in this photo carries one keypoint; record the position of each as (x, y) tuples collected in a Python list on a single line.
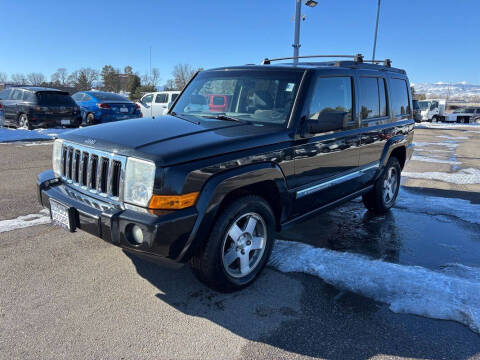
[(11, 106), (325, 160)]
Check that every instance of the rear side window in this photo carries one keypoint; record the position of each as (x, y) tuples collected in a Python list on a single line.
[(17, 95), (331, 95), (78, 97), (161, 98), (399, 100), (54, 99), (29, 96), (174, 96), (4, 94), (373, 101)]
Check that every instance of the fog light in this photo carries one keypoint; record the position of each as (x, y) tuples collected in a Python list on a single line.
[(137, 234)]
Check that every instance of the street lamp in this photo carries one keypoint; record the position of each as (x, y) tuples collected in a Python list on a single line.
[(296, 40)]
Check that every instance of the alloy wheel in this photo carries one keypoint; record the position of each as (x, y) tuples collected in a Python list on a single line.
[(390, 185), (244, 245)]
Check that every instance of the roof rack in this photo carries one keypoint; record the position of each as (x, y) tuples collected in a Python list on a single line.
[(358, 58)]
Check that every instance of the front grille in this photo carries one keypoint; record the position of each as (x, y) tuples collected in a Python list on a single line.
[(96, 171)]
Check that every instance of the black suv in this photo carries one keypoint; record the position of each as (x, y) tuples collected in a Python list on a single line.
[(212, 187), (31, 107)]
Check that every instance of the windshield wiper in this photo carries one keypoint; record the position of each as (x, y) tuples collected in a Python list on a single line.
[(221, 117)]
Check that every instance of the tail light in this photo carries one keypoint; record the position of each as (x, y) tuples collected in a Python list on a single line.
[(1, 106), (137, 106), (104, 106)]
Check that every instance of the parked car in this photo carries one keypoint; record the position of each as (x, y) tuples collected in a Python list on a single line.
[(33, 107), (212, 188), (417, 112), (464, 115), (100, 107), (156, 103)]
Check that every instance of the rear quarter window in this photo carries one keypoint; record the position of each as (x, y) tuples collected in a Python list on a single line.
[(399, 101)]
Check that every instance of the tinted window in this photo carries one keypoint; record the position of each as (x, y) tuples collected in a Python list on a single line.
[(54, 99), (331, 95), (369, 99), (108, 96), (147, 99), (161, 98), (29, 96), (399, 100), (4, 94), (382, 91), (17, 95), (174, 96)]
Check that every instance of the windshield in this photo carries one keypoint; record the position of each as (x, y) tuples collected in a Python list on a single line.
[(424, 105), (258, 96), (107, 96)]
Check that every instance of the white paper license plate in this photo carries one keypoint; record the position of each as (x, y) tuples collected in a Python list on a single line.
[(123, 109), (60, 215), (65, 122)]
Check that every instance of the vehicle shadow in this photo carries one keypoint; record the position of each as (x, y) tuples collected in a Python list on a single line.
[(300, 314)]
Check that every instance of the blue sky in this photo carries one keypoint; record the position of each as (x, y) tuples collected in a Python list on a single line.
[(434, 40)]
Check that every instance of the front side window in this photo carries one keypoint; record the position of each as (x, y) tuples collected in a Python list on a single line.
[(399, 101), (17, 95), (264, 96), (332, 97), (147, 99), (161, 98)]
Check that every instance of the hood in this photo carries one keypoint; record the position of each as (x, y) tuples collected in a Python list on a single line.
[(168, 140)]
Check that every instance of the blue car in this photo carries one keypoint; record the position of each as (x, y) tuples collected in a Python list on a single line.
[(99, 107)]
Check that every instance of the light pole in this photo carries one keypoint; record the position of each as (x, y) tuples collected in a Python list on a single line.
[(298, 15), (376, 31)]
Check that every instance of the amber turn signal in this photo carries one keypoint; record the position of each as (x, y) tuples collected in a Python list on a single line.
[(173, 202)]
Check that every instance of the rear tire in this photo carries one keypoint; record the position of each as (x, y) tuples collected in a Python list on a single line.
[(384, 193), (238, 246), (89, 119), (23, 122)]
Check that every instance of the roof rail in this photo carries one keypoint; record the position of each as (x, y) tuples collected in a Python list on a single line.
[(357, 58)]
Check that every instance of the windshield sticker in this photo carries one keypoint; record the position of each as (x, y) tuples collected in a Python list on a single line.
[(290, 87)]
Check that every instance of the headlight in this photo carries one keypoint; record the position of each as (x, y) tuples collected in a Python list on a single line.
[(139, 178), (57, 157)]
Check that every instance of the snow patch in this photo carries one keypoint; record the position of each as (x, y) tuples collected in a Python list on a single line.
[(438, 206), (446, 126), (453, 137), (434, 160), (407, 289), (462, 177), (12, 135), (450, 145), (25, 221)]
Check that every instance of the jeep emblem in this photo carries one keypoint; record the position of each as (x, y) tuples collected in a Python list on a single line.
[(90, 141)]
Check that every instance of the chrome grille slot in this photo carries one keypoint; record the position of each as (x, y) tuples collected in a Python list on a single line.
[(94, 171)]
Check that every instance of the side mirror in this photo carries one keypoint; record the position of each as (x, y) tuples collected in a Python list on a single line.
[(327, 122)]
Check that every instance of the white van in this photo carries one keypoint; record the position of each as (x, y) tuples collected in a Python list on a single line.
[(156, 103)]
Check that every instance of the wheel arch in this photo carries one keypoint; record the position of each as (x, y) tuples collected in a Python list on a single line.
[(263, 179), (396, 146)]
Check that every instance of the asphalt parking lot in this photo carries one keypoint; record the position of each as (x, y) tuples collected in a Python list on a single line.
[(68, 295)]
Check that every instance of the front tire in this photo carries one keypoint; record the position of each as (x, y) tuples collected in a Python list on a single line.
[(238, 247), (384, 193)]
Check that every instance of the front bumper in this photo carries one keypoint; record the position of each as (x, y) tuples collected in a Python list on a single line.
[(165, 236)]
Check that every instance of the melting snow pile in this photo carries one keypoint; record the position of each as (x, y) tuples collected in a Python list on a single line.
[(11, 135), (462, 177), (425, 125), (453, 294), (25, 221), (434, 160)]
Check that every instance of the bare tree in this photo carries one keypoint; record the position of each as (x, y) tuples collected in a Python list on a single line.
[(19, 79), (60, 76), (152, 79), (83, 79), (35, 79), (182, 73), (3, 77)]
